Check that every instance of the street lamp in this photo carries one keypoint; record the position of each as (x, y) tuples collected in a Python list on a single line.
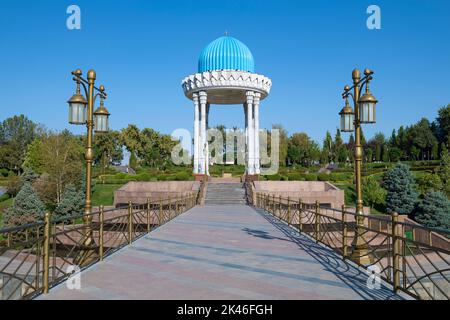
[(81, 111), (364, 107)]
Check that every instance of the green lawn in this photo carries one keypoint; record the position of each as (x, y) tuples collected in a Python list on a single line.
[(104, 194)]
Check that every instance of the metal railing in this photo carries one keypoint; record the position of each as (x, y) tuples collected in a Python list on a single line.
[(37, 256), (395, 251)]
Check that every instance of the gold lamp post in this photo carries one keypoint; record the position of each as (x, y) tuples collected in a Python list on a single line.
[(81, 111), (364, 112)]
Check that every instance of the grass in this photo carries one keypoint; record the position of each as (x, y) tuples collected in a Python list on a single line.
[(104, 194)]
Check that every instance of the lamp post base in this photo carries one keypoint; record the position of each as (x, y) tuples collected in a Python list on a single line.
[(360, 252)]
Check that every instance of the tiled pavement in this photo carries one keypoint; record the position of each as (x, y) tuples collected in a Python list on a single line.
[(223, 252)]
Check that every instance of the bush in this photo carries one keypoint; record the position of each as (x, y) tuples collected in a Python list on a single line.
[(4, 197), (183, 176), (310, 177), (4, 172), (323, 177), (295, 177), (274, 177)]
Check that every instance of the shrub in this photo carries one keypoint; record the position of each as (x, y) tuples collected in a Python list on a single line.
[(323, 177), (310, 177), (4, 172), (295, 177), (183, 176), (274, 177), (4, 197)]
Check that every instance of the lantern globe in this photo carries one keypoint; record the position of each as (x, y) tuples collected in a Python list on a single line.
[(367, 108), (347, 118), (101, 116), (77, 109)]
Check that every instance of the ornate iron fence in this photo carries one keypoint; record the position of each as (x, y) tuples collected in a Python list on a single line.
[(37, 256), (403, 259)]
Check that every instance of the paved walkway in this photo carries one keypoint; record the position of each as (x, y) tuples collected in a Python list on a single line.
[(223, 252)]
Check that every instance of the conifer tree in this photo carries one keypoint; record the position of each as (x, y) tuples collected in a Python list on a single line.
[(26, 208), (401, 194), (72, 202), (434, 212)]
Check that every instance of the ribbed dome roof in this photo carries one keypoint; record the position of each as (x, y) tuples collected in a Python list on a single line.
[(226, 53)]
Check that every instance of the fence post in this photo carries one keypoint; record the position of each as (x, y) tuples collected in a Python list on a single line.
[(289, 211), (300, 205), (344, 233), (170, 207), (46, 255), (396, 253), (100, 241), (160, 211), (130, 222), (148, 214), (317, 222)]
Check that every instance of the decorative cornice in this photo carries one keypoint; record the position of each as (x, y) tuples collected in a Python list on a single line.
[(223, 79)]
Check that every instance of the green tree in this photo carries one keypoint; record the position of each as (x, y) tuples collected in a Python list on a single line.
[(26, 208), (131, 139), (302, 150), (429, 182), (283, 145), (61, 157), (434, 212), (108, 148), (444, 171), (132, 161), (72, 202), (401, 194), (373, 193), (16, 133), (443, 125), (328, 147)]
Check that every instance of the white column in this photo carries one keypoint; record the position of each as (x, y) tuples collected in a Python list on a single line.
[(256, 121), (202, 164), (207, 143), (196, 131), (246, 138), (250, 131)]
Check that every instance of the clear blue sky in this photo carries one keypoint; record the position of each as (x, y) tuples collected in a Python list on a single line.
[(141, 50)]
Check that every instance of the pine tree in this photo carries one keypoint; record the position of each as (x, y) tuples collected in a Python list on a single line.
[(444, 171), (72, 202), (26, 208), (434, 211), (401, 194)]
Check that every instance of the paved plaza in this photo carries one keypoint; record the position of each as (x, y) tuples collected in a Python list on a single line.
[(223, 252)]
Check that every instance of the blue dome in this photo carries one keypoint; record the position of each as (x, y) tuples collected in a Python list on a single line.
[(226, 53)]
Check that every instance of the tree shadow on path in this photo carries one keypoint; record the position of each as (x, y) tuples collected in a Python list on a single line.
[(350, 274)]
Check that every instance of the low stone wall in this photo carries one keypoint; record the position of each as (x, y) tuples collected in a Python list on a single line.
[(308, 191), (139, 192)]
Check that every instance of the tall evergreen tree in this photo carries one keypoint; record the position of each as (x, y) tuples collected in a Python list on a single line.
[(26, 208), (401, 194), (72, 202), (434, 211), (444, 171)]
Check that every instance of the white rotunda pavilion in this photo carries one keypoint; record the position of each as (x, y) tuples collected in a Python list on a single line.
[(226, 76)]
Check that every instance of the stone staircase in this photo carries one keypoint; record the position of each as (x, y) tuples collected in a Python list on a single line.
[(220, 193)]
